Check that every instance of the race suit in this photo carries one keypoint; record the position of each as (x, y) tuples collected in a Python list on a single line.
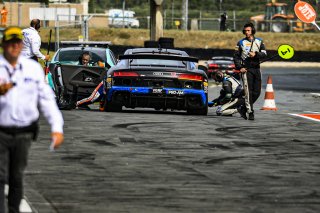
[(242, 60), (231, 96), (96, 95), (31, 44)]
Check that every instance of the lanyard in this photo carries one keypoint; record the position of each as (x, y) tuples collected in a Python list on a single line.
[(252, 44), (14, 71)]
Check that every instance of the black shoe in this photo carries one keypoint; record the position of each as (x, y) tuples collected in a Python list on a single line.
[(243, 112), (84, 107), (251, 116)]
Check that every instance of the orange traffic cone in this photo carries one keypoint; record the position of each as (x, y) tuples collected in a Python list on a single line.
[(269, 103)]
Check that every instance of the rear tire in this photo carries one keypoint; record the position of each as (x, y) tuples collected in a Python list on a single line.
[(166, 43), (151, 44), (203, 111), (112, 107), (64, 102)]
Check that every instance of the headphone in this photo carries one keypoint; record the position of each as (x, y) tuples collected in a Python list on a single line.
[(37, 25), (253, 30)]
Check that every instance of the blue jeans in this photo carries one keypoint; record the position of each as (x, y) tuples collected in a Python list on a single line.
[(14, 149)]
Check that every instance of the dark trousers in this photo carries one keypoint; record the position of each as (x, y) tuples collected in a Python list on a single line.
[(254, 85), (14, 149), (34, 58)]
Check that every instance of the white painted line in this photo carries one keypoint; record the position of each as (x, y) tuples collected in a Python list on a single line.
[(312, 112), (315, 94), (301, 116), (24, 206)]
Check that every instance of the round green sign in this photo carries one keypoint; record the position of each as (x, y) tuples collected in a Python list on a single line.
[(285, 51)]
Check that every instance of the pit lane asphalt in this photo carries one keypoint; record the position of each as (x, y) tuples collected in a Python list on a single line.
[(149, 161)]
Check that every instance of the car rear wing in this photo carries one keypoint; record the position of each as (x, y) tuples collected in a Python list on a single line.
[(159, 56), (87, 43)]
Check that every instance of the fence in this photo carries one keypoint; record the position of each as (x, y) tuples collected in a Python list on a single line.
[(82, 23)]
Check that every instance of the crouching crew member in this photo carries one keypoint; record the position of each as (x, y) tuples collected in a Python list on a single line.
[(23, 92), (231, 98)]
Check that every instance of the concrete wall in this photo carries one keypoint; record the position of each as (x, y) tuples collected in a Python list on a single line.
[(18, 13)]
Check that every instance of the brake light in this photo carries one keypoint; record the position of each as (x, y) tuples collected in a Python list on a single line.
[(213, 65), (125, 74), (191, 77)]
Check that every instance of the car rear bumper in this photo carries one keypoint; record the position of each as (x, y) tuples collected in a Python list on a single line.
[(172, 98)]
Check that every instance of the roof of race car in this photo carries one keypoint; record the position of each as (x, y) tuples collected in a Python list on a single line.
[(81, 48), (156, 51)]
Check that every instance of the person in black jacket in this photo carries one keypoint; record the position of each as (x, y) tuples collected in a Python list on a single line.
[(223, 20), (248, 54)]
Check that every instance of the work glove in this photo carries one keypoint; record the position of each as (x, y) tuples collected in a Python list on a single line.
[(5, 87), (212, 103), (56, 140)]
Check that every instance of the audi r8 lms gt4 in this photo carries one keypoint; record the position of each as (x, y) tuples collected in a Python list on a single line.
[(157, 78), (73, 81)]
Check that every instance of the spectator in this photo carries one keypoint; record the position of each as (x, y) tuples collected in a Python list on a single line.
[(223, 21)]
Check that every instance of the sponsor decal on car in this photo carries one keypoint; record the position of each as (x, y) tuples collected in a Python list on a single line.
[(158, 73), (175, 92), (157, 91), (108, 81), (205, 87)]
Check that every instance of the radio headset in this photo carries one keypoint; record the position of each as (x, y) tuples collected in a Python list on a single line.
[(36, 24)]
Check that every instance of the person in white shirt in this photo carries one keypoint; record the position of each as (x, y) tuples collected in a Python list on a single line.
[(23, 92), (32, 42)]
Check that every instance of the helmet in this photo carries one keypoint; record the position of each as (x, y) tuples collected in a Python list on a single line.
[(218, 76)]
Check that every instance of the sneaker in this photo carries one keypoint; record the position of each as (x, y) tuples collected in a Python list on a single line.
[(243, 112), (251, 116)]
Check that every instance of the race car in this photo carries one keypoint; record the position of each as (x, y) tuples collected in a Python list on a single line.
[(156, 78), (220, 63), (73, 81)]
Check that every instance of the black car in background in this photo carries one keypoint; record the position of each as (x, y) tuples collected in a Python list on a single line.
[(220, 63), (157, 78)]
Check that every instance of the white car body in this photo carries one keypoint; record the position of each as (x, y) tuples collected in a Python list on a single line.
[(122, 18)]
